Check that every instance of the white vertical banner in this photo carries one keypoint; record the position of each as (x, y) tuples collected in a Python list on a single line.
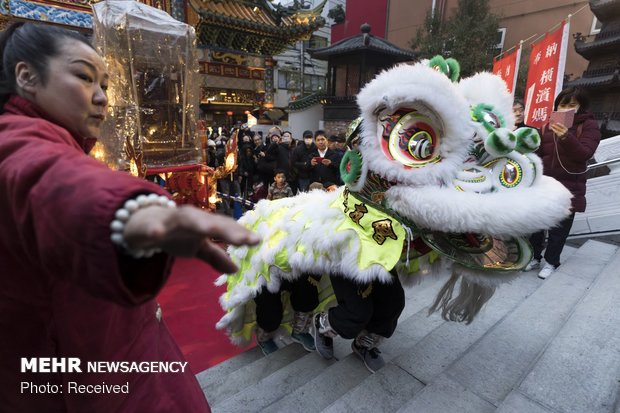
[(562, 59), (517, 63)]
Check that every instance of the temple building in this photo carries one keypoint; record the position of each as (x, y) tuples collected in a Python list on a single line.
[(602, 77), (352, 62), (237, 41)]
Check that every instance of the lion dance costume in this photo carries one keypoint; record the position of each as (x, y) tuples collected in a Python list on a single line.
[(434, 178)]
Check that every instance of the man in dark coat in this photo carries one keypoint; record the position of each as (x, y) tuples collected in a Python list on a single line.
[(324, 163), (301, 160)]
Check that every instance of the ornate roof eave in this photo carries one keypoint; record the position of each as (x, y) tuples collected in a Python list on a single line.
[(73, 13), (363, 42), (325, 54), (595, 82), (281, 22), (598, 45), (253, 26), (604, 10), (305, 102), (258, 28)]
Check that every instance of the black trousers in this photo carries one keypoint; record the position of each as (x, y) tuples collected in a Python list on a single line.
[(555, 241), (374, 307), (304, 298)]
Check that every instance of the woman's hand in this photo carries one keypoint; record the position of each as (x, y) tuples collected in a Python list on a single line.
[(559, 129), (187, 231)]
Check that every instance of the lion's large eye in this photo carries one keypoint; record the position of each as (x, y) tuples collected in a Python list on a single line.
[(507, 173), (410, 138), (511, 174)]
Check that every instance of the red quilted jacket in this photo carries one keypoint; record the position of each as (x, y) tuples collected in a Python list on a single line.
[(65, 291)]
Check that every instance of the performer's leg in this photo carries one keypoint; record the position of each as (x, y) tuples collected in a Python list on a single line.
[(304, 294), (268, 318), (354, 309), (304, 299), (388, 303), (348, 318)]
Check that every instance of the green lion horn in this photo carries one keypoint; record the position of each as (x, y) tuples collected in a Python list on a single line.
[(528, 140), (449, 67)]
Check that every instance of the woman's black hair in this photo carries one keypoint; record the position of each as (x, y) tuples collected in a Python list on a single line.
[(34, 44), (567, 94)]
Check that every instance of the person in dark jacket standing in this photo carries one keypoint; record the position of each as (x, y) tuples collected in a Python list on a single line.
[(565, 151), (301, 160), (324, 163)]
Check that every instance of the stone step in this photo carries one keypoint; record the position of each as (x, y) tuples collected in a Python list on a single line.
[(495, 364), (579, 370), (224, 386), (273, 387), (215, 374)]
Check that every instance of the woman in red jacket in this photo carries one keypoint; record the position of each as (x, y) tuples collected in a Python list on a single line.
[(84, 249), (565, 151)]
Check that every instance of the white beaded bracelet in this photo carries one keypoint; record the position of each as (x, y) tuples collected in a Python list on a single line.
[(122, 215)]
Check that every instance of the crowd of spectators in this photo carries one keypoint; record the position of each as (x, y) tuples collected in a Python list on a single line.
[(312, 158)]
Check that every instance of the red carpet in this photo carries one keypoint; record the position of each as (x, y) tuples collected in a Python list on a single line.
[(190, 308)]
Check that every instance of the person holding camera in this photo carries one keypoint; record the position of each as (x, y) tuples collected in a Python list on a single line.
[(324, 163)]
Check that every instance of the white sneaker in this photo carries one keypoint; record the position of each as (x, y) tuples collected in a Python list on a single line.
[(547, 270), (532, 265)]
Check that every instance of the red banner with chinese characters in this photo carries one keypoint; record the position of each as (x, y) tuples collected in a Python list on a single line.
[(545, 75), (507, 67)]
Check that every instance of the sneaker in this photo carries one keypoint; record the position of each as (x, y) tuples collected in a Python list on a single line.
[(267, 346), (305, 339), (370, 356), (532, 265), (547, 270), (323, 344)]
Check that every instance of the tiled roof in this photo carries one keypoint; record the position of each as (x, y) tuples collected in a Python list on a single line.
[(605, 8), (603, 41), (363, 41), (594, 81), (305, 102), (258, 16)]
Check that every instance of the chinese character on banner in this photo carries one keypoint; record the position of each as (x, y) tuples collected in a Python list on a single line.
[(545, 75), (507, 68)]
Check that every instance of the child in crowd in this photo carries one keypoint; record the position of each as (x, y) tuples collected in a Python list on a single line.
[(279, 188)]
